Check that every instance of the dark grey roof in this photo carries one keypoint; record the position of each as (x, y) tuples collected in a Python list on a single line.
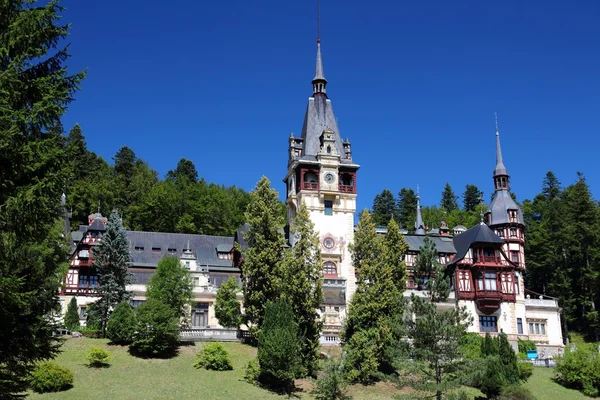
[(147, 240), (499, 206), (442, 244), (208, 256), (141, 277), (97, 225), (478, 234), (224, 248), (319, 116), (76, 236), (319, 76)]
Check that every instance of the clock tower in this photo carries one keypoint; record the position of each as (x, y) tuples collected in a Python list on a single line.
[(322, 175)]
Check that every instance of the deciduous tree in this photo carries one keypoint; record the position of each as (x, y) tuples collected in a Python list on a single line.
[(227, 306), (172, 285)]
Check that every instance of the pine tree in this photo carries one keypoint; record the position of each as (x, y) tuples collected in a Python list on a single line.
[(71, 320), (227, 306), (303, 286), (172, 285), (377, 302), (471, 198), (384, 208), (185, 171), (262, 273), (426, 262), (407, 208), (121, 324), (508, 359), (449, 201), (35, 91), (111, 263)]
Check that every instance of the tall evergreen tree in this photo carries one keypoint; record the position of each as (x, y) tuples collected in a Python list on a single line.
[(449, 201), (35, 91), (472, 198), (303, 286), (262, 272), (426, 262), (407, 208), (227, 306), (185, 170), (71, 320), (172, 285), (111, 262), (384, 208), (377, 302)]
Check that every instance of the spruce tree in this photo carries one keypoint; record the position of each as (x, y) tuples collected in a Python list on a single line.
[(71, 320), (227, 306), (426, 263), (407, 208), (172, 285), (303, 286), (262, 272), (377, 302), (111, 263), (35, 91), (449, 201), (471, 198), (384, 208)]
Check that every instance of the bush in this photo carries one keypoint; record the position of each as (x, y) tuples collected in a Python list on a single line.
[(252, 372), (489, 377), (50, 377), (525, 370), (157, 329), (121, 324), (332, 383), (98, 357), (213, 356), (278, 347), (470, 345), (71, 320), (526, 345), (361, 362), (515, 392), (580, 369)]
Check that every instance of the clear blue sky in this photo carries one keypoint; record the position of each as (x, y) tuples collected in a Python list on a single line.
[(414, 86)]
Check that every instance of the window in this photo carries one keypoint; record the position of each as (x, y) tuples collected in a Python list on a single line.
[(196, 281), (488, 324), (200, 315), (514, 256), (328, 207), (322, 309), (517, 288), (531, 328), (537, 329), (93, 280), (490, 281), (537, 326), (519, 326), (172, 250), (224, 256), (136, 303), (82, 312), (513, 232), (329, 268), (543, 326), (187, 265), (500, 233), (139, 248), (336, 309), (156, 249)]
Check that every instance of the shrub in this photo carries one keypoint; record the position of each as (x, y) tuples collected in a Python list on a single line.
[(157, 329), (332, 383), (213, 356), (98, 357), (278, 349), (526, 345), (50, 377), (252, 371), (470, 345), (121, 324), (509, 360), (580, 369), (361, 362), (525, 370), (515, 392), (71, 320), (489, 377)]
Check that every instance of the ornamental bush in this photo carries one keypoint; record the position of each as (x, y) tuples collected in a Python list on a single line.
[(50, 377), (98, 357), (515, 392), (157, 329), (580, 369), (525, 370), (332, 383), (121, 324), (252, 371), (213, 356), (71, 320), (526, 345)]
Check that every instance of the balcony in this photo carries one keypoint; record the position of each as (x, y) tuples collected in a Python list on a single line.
[(541, 303), (334, 281), (85, 290), (309, 186), (487, 260), (209, 334), (346, 188)]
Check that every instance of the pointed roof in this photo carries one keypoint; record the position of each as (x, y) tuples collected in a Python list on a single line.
[(319, 76), (478, 234), (500, 168), (419, 226)]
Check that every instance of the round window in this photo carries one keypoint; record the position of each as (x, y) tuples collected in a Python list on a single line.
[(328, 243)]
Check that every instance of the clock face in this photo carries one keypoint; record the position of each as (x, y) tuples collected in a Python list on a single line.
[(329, 178)]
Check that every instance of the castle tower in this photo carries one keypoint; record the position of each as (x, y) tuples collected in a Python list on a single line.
[(322, 175)]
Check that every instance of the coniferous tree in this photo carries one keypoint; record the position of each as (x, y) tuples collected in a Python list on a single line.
[(449, 201), (185, 170), (111, 263), (71, 320), (156, 330), (384, 208), (121, 324), (172, 285), (377, 302), (407, 208), (426, 262), (227, 306), (35, 91), (472, 198), (303, 286), (262, 273)]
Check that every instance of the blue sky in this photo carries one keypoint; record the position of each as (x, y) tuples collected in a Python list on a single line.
[(414, 86)]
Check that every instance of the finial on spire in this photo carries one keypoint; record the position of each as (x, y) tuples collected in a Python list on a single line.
[(318, 21), (496, 118), (319, 82), (481, 218), (500, 170), (419, 226)]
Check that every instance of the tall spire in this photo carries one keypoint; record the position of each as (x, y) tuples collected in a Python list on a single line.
[(500, 172), (419, 226), (319, 82)]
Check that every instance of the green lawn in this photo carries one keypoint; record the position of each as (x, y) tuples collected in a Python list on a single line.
[(130, 377)]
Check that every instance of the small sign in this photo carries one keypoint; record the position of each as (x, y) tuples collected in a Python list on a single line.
[(532, 354)]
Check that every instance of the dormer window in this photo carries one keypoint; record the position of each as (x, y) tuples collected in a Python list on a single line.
[(172, 250), (139, 247), (513, 232), (156, 249)]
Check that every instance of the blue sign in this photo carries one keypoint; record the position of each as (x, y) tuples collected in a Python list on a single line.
[(532, 354)]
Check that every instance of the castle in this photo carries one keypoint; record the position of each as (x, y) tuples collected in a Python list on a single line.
[(486, 263)]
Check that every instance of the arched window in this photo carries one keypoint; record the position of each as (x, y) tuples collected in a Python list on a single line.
[(329, 268)]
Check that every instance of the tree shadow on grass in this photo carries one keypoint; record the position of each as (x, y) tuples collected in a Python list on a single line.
[(97, 365), (164, 355)]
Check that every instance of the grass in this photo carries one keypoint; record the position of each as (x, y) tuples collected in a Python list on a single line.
[(543, 387), (129, 377)]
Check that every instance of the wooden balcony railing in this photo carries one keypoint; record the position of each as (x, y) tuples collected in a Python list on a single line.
[(487, 260), (310, 186), (346, 188)]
